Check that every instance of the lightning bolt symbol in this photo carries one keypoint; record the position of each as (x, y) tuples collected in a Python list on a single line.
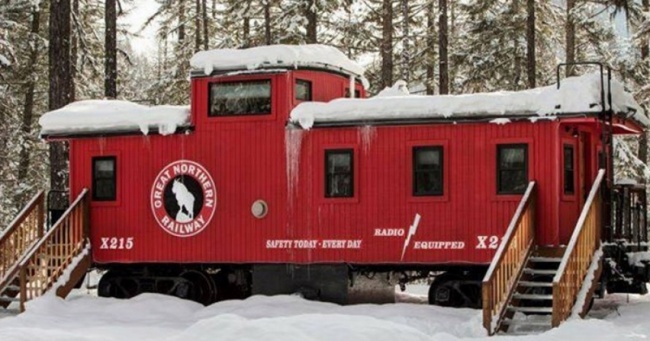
[(412, 230)]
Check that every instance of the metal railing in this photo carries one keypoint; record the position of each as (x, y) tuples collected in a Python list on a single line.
[(508, 262), (629, 212), (578, 255)]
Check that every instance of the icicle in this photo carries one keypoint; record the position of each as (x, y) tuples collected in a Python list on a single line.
[(292, 144), (368, 134), (352, 88), (102, 145)]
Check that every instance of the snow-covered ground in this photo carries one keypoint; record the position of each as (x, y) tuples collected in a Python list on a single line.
[(84, 316)]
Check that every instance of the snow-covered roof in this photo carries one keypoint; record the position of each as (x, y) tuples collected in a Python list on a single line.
[(274, 56), (577, 95), (113, 116)]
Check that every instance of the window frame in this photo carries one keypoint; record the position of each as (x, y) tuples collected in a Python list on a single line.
[(114, 178), (309, 86), (500, 146), (415, 171), (232, 81), (326, 173), (407, 171), (569, 146)]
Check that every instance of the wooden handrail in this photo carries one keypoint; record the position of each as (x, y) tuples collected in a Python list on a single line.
[(577, 258), (509, 261), (19, 237), (46, 262)]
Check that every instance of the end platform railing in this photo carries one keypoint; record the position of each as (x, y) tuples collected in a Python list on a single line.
[(508, 262), (19, 237), (578, 255), (48, 260)]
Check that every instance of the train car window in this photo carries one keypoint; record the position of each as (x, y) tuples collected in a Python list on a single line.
[(303, 90), (427, 171), (512, 168), (104, 178), (339, 175), (569, 172), (240, 98)]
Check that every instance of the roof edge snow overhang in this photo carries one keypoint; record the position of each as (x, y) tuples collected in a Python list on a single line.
[(276, 68), (112, 133), (622, 124)]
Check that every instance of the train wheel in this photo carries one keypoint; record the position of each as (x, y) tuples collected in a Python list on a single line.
[(116, 285), (454, 290), (197, 286)]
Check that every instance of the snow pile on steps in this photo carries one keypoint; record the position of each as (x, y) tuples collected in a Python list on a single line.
[(273, 56), (577, 95), (106, 116)]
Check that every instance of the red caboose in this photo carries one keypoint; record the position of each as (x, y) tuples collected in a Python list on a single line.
[(262, 187)]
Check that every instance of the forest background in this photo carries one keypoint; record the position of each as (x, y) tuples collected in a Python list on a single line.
[(53, 52)]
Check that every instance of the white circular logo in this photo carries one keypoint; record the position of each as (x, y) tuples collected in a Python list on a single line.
[(183, 198)]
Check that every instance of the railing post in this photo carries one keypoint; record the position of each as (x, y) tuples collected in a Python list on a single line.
[(487, 306), (86, 217), (41, 215), (23, 288)]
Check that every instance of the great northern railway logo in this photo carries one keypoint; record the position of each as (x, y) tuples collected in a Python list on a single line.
[(183, 198)]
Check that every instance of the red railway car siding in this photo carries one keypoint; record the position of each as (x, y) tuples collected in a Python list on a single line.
[(256, 157), (463, 225), (244, 155)]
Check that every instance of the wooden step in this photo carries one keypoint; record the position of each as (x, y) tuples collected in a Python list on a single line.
[(13, 288), (535, 284), (521, 323), (548, 310), (8, 299), (532, 297), (550, 252), (545, 259), (540, 271)]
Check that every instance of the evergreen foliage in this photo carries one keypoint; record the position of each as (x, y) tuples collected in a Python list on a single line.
[(487, 48)]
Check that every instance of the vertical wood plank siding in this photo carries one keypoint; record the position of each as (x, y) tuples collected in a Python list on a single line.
[(247, 160)]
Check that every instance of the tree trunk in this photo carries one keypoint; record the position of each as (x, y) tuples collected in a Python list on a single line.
[(570, 31), (181, 23), (530, 44), (431, 32), (312, 22), (206, 34), (645, 53), (247, 26), (28, 108), (197, 26), (442, 47), (387, 44), (60, 92), (405, 62), (110, 46), (267, 23), (517, 57), (74, 48)]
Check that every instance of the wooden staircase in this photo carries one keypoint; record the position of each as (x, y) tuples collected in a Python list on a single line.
[(33, 262), (529, 288)]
